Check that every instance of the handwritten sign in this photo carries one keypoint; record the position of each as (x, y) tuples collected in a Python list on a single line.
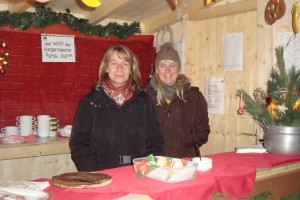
[(58, 48)]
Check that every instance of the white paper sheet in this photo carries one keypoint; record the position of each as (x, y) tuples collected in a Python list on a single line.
[(214, 95), (58, 48), (251, 149), (232, 52), (292, 51)]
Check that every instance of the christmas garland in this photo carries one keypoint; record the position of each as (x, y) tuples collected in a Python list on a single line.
[(44, 17), (3, 57)]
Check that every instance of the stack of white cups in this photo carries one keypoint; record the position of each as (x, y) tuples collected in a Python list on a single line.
[(10, 130), (25, 124), (43, 122)]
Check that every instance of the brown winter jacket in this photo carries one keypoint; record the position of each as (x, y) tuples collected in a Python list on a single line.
[(184, 124)]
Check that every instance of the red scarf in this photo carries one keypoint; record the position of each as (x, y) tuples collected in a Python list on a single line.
[(119, 94)]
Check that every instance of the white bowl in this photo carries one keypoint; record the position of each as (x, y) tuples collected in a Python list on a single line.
[(170, 175), (205, 164)]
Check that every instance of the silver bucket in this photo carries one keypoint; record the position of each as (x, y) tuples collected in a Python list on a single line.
[(282, 139)]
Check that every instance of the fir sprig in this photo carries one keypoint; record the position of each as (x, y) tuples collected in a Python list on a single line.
[(257, 111), (283, 90), (44, 17)]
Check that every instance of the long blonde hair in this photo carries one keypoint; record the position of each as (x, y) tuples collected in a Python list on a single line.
[(180, 80), (126, 54)]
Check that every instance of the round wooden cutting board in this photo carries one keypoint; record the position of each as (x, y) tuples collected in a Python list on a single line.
[(81, 180)]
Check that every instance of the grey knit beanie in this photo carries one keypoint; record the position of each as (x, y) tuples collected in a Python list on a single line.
[(167, 52)]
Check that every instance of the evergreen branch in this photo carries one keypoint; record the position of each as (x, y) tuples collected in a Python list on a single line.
[(283, 89), (294, 78), (44, 17), (258, 112), (281, 64)]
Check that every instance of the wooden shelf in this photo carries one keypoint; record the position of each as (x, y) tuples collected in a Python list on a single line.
[(40, 147)]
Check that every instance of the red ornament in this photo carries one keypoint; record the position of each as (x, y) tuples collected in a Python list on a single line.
[(3, 57), (241, 111), (2, 51)]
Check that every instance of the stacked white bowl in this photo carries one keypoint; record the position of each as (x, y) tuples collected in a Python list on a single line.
[(24, 123)]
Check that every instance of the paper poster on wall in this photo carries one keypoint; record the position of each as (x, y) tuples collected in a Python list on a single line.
[(58, 48), (214, 95), (292, 50), (232, 52)]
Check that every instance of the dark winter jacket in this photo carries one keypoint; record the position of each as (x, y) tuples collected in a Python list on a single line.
[(105, 135), (184, 124)]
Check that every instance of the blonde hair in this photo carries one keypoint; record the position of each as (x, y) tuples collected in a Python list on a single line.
[(180, 80), (126, 54)]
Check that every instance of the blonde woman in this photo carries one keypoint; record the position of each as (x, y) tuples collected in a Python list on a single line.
[(117, 121), (182, 109)]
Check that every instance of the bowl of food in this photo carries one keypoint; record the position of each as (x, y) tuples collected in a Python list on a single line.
[(166, 169)]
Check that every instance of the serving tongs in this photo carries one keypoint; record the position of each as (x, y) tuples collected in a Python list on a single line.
[(198, 151)]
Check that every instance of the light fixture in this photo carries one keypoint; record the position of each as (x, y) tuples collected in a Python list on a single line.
[(92, 3), (42, 1)]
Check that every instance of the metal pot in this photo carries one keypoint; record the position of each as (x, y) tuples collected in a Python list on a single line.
[(282, 139)]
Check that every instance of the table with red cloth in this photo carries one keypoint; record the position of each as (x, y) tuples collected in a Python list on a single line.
[(232, 174)]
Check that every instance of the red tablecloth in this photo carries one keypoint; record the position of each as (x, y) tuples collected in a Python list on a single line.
[(258, 160), (232, 174)]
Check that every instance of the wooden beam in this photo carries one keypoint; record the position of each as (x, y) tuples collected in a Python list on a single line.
[(222, 10), (197, 11), (160, 21), (169, 18), (106, 10)]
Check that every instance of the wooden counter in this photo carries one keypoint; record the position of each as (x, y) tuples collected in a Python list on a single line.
[(44, 158), (40, 147), (281, 181)]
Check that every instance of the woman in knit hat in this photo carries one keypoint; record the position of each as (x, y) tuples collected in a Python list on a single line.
[(182, 109)]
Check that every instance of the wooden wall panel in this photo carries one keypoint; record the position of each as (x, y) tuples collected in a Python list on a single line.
[(227, 130), (190, 53)]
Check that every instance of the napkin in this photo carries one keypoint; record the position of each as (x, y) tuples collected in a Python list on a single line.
[(259, 148), (27, 189), (135, 197), (17, 139), (144, 167)]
